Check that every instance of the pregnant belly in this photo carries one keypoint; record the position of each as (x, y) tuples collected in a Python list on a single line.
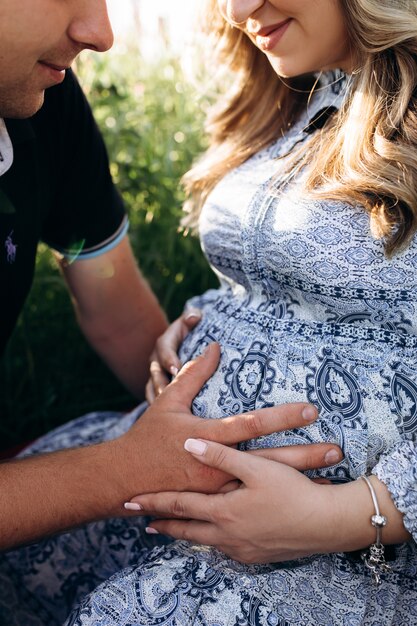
[(349, 381)]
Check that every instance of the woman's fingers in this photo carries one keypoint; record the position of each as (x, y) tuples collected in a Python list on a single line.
[(159, 379), (149, 392), (241, 466), (168, 344), (191, 318), (167, 347), (178, 505), (303, 457), (164, 362)]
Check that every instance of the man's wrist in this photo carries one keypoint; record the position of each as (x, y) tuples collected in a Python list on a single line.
[(54, 492)]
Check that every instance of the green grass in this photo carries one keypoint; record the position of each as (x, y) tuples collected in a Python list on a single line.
[(151, 120)]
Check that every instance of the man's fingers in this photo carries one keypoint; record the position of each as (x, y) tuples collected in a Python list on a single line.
[(232, 485), (237, 428), (303, 457), (190, 530), (192, 377)]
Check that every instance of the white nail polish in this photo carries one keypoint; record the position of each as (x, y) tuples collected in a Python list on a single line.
[(151, 531), (195, 446), (132, 506)]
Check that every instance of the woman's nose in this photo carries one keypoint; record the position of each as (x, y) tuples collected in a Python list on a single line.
[(238, 11), (90, 26)]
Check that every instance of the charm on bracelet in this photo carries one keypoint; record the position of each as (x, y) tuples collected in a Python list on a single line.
[(374, 556)]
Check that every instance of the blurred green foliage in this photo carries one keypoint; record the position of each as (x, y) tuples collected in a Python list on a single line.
[(152, 120)]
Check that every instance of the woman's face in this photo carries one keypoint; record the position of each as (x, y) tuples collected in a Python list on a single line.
[(297, 36)]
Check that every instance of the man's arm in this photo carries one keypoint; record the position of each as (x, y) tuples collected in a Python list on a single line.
[(117, 312), (54, 492)]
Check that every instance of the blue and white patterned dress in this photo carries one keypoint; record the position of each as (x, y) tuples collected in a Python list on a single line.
[(309, 308)]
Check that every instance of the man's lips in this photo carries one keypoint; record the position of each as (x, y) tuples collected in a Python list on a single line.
[(55, 72), (54, 66)]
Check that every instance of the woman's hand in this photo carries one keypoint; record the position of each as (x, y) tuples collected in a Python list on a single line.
[(276, 514), (164, 361)]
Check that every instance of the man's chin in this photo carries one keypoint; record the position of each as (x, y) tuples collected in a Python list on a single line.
[(23, 108)]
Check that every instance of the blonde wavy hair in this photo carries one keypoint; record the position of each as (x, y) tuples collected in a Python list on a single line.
[(378, 169)]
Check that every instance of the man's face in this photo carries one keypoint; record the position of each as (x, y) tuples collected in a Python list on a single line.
[(39, 39)]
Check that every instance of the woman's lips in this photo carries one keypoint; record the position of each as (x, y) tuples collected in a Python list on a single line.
[(268, 37)]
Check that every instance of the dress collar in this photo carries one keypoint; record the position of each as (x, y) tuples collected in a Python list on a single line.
[(330, 90), (326, 97)]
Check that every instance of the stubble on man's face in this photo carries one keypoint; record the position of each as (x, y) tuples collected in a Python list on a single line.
[(20, 102), (29, 31), (39, 40)]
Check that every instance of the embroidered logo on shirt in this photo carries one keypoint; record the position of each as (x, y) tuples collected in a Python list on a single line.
[(11, 249)]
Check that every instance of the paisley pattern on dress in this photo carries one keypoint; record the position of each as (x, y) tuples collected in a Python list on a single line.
[(308, 309)]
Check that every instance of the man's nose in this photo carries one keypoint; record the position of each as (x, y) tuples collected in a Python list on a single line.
[(90, 26), (238, 11)]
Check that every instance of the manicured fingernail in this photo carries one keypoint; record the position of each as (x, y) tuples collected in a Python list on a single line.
[(206, 350), (195, 446), (332, 456), (309, 413), (132, 506), (173, 370), (151, 531)]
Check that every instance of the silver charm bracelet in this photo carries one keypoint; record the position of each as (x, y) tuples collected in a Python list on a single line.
[(374, 556)]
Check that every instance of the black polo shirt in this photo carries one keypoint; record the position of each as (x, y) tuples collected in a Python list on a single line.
[(57, 190)]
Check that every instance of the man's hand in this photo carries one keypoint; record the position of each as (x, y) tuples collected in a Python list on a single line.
[(164, 361), (157, 439), (54, 492)]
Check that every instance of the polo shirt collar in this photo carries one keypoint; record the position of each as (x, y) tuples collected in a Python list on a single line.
[(6, 149)]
